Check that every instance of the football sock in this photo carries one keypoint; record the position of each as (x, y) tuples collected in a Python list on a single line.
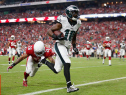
[(51, 66), (123, 57), (69, 84), (98, 56), (67, 74), (103, 61), (13, 58), (9, 59), (25, 76), (18, 55), (101, 56), (109, 60)]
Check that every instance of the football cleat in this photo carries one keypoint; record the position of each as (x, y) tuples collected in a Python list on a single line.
[(72, 89), (25, 83)]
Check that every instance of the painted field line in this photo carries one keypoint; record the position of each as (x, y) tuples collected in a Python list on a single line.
[(49, 90), (10, 71)]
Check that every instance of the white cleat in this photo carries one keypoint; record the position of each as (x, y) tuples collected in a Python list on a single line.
[(72, 89)]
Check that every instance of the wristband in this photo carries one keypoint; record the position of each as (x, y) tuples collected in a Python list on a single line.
[(13, 64), (54, 36)]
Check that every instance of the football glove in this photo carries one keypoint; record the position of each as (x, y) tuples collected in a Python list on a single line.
[(43, 61), (10, 67), (39, 64), (75, 49), (57, 37)]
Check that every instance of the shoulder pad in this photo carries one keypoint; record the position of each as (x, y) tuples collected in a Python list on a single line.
[(79, 21), (60, 18)]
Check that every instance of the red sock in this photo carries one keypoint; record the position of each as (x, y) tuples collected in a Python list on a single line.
[(25, 75), (87, 56), (109, 58), (9, 59), (13, 58)]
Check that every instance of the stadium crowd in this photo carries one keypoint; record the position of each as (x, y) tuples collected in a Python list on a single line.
[(93, 31), (52, 11)]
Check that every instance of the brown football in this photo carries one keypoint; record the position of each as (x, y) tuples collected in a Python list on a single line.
[(58, 33)]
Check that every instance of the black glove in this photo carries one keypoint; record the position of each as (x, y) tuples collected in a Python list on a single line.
[(57, 37), (75, 49), (39, 65), (43, 60)]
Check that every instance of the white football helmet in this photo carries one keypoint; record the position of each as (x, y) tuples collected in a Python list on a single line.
[(99, 44), (12, 37), (87, 42), (107, 38), (123, 41), (39, 48)]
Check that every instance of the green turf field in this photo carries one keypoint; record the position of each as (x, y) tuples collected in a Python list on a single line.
[(90, 76)]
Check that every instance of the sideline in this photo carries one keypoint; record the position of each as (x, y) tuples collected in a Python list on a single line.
[(49, 90)]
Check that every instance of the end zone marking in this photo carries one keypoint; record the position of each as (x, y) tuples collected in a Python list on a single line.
[(49, 90)]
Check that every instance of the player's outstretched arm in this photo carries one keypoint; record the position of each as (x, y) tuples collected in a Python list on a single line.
[(17, 61)]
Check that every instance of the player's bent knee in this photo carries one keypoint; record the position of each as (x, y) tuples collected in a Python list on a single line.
[(58, 70), (31, 75)]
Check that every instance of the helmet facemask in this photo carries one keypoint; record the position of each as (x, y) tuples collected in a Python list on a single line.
[(107, 39), (39, 54), (72, 12), (12, 37)]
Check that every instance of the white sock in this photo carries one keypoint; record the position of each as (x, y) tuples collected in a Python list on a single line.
[(109, 62), (24, 79), (103, 60)]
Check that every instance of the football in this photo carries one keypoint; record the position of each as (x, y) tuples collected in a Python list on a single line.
[(58, 33)]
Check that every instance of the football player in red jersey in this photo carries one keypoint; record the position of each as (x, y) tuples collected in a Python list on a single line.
[(34, 54), (107, 51), (88, 51), (12, 48)]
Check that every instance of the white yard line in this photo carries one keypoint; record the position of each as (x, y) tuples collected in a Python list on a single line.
[(10, 71), (49, 90)]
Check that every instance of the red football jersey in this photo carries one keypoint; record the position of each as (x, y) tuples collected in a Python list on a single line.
[(30, 52), (108, 44), (12, 43), (88, 46)]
